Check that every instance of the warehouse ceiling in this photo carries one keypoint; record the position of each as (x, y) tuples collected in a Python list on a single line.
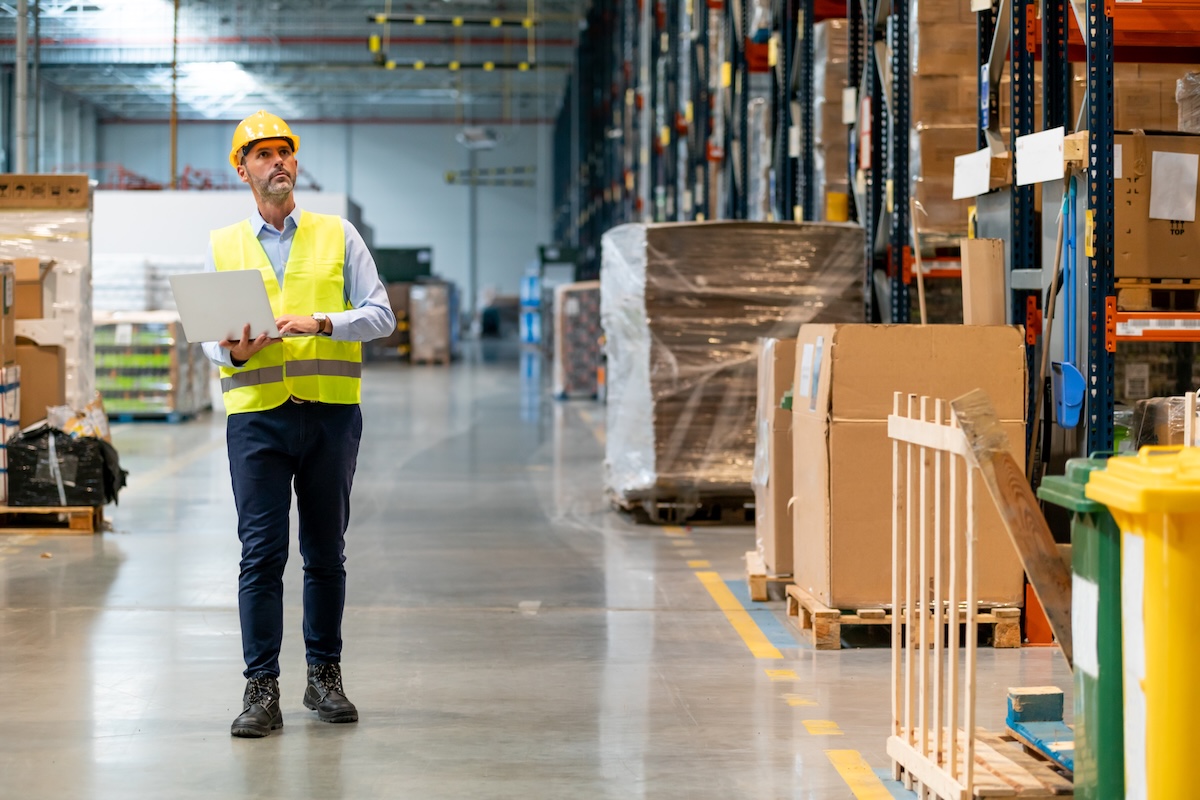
[(305, 59)]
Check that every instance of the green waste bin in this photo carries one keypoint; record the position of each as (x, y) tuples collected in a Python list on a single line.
[(1096, 626)]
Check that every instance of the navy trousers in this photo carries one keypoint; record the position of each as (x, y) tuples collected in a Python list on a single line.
[(313, 446)]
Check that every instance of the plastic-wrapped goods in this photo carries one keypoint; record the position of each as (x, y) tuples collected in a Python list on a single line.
[(1158, 421), (1187, 96), (10, 419), (577, 331), (429, 308), (683, 306), (61, 236), (145, 366), (831, 138), (47, 467)]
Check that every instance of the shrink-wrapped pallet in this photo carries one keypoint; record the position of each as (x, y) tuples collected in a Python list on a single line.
[(683, 306)]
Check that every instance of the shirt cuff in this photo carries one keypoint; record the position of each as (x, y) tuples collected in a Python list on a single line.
[(340, 320)]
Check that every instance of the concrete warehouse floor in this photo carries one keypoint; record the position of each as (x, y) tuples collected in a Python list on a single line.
[(507, 635)]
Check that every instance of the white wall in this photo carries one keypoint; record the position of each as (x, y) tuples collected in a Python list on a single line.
[(396, 173)]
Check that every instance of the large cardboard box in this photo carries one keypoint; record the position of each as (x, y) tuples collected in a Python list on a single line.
[(44, 191), (43, 380), (842, 457), (1145, 247), (983, 281), (773, 456), (942, 48), (30, 287)]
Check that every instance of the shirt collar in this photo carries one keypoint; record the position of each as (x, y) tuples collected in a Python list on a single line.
[(257, 223)]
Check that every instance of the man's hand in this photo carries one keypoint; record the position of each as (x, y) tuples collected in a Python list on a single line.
[(244, 349), (294, 324)]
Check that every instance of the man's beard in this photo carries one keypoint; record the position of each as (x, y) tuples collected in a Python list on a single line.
[(272, 191)]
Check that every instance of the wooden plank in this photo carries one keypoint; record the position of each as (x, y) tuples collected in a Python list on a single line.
[(6, 509), (1004, 769), (1056, 784), (1020, 512), (756, 576), (929, 774), (867, 615)]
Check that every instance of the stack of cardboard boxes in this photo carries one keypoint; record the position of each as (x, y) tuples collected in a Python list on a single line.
[(431, 319), (772, 479), (839, 528), (43, 365), (10, 373), (831, 75)]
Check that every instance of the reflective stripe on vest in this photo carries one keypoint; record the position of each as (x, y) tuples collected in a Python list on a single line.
[(295, 369), (314, 368)]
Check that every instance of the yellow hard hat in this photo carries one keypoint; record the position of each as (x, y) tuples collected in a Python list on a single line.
[(256, 127)]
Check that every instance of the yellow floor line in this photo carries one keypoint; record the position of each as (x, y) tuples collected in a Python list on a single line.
[(798, 700), (699, 564), (858, 775), (672, 530), (782, 675), (682, 542), (742, 622), (822, 727)]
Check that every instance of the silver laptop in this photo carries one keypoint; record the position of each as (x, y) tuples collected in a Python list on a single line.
[(215, 306)]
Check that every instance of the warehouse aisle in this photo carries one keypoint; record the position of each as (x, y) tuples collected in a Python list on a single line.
[(506, 635)]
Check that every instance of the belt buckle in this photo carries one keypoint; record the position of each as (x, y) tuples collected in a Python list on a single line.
[(298, 401)]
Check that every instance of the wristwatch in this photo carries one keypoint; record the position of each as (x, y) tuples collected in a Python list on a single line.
[(321, 319)]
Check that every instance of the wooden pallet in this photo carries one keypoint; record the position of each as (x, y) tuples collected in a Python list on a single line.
[(1158, 294), (758, 580), (54, 520), (439, 361), (716, 509), (822, 625), (1002, 769)]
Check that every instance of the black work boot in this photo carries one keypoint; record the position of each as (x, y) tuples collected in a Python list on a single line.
[(326, 696), (261, 713)]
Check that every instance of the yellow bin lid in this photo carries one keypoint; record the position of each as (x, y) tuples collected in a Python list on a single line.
[(1158, 480)]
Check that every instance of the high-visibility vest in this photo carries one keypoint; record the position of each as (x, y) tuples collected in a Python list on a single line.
[(307, 367)]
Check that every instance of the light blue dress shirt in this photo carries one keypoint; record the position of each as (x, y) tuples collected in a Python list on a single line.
[(370, 316)]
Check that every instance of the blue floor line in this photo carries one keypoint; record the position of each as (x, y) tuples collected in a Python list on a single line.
[(895, 787), (775, 631)]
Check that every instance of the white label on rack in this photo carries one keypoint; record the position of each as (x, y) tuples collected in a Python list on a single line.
[(972, 174), (849, 105), (1118, 162), (1137, 381), (794, 141), (804, 385), (123, 335), (1136, 327), (982, 5), (1173, 186), (1040, 157)]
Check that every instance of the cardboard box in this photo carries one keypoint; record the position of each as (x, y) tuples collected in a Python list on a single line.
[(30, 287), (957, 11), (941, 48), (43, 380), (945, 100), (773, 525), (1145, 247), (842, 457), (8, 315), (44, 191), (983, 281)]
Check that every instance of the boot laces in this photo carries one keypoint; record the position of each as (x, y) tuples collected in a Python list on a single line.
[(259, 690), (329, 676)]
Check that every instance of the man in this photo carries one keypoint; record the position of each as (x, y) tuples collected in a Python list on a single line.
[(294, 417)]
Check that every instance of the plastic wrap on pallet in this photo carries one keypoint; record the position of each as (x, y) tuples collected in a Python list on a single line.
[(577, 332), (762, 439), (50, 468), (831, 74), (64, 237), (10, 419), (1158, 421), (145, 366), (760, 160), (683, 306), (430, 310), (1187, 96)]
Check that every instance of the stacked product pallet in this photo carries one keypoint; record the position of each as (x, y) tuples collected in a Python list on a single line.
[(129, 283), (831, 75), (54, 286), (577, 333), (433, 310), (683, 307), (146, 368)]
